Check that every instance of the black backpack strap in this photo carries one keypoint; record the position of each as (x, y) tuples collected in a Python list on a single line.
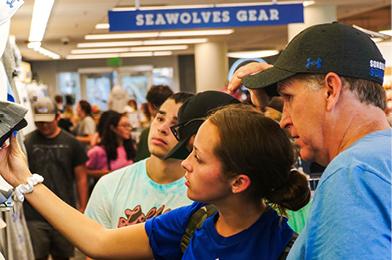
[(286, 250), (195, 222)]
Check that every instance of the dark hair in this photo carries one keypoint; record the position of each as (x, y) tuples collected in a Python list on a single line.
[(69, 100), (158, 94), (262, 151), (85, 106), (103, 120), (180, 97), (109, 138), (58, 99)]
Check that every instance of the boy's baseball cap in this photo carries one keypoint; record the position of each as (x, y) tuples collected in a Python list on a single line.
[(323, 48), (192, 114), (44, 110)]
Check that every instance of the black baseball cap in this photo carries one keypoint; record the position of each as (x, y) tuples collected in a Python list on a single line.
[(323, 48), (192, 114)]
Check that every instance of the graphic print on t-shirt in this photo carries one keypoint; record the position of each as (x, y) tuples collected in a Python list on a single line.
[(136, 215)]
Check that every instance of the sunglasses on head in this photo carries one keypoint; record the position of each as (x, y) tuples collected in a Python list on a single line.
[(175, 129)]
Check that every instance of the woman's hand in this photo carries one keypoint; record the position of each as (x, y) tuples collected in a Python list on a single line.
[(13, 164)]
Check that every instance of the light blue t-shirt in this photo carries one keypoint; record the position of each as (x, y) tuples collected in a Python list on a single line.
[(128, 196), (350, 216)]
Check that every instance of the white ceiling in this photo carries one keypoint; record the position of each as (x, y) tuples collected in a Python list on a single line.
[(76, 18)]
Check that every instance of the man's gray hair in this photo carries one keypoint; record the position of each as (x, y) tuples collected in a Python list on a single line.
[(367, 92)]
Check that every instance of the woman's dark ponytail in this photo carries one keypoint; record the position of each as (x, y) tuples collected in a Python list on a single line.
[(294, 195)]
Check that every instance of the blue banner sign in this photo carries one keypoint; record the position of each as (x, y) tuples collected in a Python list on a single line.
[(212, 17)]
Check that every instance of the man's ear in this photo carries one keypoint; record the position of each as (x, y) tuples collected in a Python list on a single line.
[(240, 183), (334, 87)]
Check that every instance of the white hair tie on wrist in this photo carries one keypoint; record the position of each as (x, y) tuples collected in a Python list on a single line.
[(22, 189)]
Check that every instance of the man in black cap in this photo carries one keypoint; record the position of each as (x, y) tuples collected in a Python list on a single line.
[(190, 117), (330, 77)]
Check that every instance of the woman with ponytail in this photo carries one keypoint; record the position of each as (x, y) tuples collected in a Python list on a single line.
[(241, 164)]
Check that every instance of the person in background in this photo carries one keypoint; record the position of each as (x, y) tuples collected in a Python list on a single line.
[(103, 119), (59, 103), (334, 109), (85, 128), (116, 148), (155, 98), (149, 187), (118, 99), (60, 158), (95, 113), (133, 114), (66, 119), (240, 176)]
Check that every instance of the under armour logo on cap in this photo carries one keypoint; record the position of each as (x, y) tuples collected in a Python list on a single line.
[(311, 64), (8, 8)]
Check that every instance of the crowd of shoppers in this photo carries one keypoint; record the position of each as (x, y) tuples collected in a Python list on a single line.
[(220, 176)]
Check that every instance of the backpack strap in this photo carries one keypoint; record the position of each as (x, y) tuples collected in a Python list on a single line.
[(195, 222), (286, 250)]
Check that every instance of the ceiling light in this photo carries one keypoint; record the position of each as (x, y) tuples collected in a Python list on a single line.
[(196, 33), (163, 53), (175, 41), (33, 45), (36, 46), (140, 43), (371, 33), (144, 48), (158, 34), (387, 32), (308, 3), (48, 53), (102, 26), (252, 54), (104, 50), (160, 48), (165, 7), (93, 56), (113, 55), (39, 20), (109, 44), (160, 7), (376, 40), (120, 35)]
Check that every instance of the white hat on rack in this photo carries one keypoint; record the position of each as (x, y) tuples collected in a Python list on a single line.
[(7, 10)]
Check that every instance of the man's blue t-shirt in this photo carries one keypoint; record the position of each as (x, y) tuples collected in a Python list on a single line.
[(350, 216), (265, 239)]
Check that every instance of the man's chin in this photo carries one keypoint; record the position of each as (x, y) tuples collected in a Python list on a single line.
[(159, 154), (306, 155)]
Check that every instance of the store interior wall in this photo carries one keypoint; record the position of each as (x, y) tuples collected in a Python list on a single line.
[(46, 71)]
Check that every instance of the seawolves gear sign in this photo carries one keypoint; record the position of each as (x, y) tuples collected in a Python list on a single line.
[(213, 17)]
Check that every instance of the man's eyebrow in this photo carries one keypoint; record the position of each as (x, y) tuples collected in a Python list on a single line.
[(161, 112)]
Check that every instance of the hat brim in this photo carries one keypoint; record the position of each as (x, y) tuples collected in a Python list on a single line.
[(179, 152), (44, 118), (268, 80)]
